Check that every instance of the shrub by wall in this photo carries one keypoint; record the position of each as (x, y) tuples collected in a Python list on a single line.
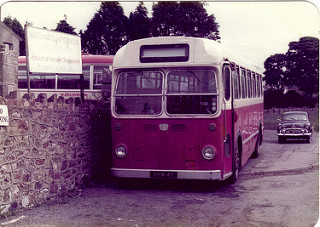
[(50, 147)]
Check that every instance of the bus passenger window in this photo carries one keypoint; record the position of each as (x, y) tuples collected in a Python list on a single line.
[(86, 76), (66, 81), (101, 74), (243, 84), (249, 86), (259, 82), (239, 80), (22, 77), (39, 81), (42, 81), (254, 88), (227, 83), (236, 86)]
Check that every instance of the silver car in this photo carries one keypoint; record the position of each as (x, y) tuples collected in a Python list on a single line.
[(294, 125)]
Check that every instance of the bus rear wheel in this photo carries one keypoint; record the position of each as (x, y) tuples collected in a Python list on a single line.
[(255, 153)]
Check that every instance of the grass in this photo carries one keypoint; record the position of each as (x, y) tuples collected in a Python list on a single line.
[(271, 116)]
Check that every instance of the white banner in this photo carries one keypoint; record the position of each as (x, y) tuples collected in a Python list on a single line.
[(53, 52)]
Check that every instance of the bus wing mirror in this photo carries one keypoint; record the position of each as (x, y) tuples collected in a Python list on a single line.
[(106, 76), (233, 66)]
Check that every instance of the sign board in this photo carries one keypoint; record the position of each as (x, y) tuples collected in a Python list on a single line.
[(4, 116), (53, 52)]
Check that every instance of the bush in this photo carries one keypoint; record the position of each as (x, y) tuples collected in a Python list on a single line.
[(275, 98)]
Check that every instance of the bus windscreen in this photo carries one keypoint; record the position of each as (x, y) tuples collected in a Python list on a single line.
[(186, 92)]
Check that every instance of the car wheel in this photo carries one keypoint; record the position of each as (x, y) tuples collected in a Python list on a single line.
[(308, 139), (281, 139)]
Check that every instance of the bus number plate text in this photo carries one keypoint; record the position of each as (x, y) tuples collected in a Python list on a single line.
[(161, 174)]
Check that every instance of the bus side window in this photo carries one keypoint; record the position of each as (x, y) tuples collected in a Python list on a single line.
[(86, 76), (239, 84), (71, 81), (236, 89), (243, 84), (42, 81), (259, 81), (227, 78), (22, 77), (101, 75), (249, 86), (254, 88)]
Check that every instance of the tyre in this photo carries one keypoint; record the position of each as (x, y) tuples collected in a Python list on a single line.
[(281, 139), (255, 153), (235, 168), (308, 139)]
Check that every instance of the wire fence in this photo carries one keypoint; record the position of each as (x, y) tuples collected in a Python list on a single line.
[(271, 116)]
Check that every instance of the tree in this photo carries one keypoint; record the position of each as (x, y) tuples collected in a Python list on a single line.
[(164, 19), (139, 23), (303, 65), (299, 68), (275, 73), (195, 22), (63, 26), (183, 19), (15, 25), (107, 31)]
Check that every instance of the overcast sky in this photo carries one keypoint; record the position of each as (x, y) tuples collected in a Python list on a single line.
[(255, 30)]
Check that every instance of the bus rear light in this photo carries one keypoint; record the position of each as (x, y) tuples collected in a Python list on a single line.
[(208, 153), (121, 151)]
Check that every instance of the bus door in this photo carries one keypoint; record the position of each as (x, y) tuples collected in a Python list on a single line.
[(230, 147)]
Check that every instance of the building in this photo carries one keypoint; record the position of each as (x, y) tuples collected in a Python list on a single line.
[(8, 38), (9, 52)]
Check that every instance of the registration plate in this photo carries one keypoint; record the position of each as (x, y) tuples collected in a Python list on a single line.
[(163, 174), (293, 131)]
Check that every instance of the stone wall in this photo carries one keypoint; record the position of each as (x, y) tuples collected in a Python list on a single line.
[(50, 147), (8, 70)]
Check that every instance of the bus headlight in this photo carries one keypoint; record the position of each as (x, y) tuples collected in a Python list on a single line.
[(208, 153), (121, 151)]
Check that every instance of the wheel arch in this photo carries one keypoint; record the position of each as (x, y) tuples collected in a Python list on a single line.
[(239, 147), (260, 133)]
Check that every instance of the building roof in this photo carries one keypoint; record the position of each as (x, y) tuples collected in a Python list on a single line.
[(10, 31)]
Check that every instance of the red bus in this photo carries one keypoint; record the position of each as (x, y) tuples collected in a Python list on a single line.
[(184, 108), (96, 68)]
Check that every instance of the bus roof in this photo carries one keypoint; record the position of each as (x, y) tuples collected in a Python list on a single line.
[(86, 59), (202, 52)]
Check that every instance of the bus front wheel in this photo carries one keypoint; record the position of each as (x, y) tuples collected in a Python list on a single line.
[(235, 167)]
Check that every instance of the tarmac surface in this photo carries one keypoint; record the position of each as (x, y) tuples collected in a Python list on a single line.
[(279, 188), (285, 159)]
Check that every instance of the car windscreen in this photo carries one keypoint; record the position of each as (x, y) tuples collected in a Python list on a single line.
[(295, 117)]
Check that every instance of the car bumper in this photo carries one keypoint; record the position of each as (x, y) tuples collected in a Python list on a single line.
[(295, 134), (169, 174)]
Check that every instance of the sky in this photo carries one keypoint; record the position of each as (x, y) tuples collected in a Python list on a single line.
[(255, 30)]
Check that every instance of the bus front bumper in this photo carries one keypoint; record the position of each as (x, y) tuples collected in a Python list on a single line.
[(169, 174)]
